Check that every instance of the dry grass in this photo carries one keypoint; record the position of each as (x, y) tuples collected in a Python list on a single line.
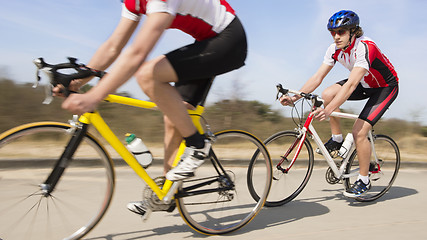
[(412, 149)]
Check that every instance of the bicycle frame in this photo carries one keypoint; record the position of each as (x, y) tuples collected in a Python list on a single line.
[(97, 121), (308, 128)]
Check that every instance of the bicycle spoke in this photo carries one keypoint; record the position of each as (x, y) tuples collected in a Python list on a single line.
[(79, 200), (382, 179), (226, 204)]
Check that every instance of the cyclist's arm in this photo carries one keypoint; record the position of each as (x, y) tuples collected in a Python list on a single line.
[(111, 48), (315, 80), (125, 66), (108, 52), (134, 56), (312, 83)]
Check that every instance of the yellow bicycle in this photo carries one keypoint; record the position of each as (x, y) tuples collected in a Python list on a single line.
[(57, 180)]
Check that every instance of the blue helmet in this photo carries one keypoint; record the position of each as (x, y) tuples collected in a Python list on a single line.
[(344, 18)]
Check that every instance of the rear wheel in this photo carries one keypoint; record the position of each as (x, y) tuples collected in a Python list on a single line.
[(382, 173), (81, 197), (218, 200)]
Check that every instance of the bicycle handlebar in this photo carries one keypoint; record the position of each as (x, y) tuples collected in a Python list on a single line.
[(56, 77), (316, 100)]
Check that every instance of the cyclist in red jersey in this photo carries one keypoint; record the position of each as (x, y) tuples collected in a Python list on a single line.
[(220, 46), (372, 77)]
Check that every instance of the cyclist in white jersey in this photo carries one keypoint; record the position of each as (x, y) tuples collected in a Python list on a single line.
[(220, 46), (372, 77)]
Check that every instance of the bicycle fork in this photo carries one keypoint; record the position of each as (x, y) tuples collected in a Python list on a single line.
[(299, 142), (62, 163)]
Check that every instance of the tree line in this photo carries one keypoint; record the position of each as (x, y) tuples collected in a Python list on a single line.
[(20, 103)]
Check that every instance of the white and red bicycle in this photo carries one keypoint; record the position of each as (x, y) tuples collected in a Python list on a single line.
[(293, 158)]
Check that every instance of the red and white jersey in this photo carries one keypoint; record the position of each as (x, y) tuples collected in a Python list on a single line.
[(202, 19), (364, 53)]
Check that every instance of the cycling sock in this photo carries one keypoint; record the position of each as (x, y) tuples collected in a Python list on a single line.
[(365, 179), (196, 140), (337, 138)]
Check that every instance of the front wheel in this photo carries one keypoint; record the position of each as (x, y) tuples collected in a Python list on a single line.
[(82, 195), (382, 172), (288, 180), (217, 200)]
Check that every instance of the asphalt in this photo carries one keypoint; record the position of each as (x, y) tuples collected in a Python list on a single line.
[(320, 212)]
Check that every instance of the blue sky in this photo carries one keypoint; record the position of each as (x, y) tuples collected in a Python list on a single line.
[(287, 42)]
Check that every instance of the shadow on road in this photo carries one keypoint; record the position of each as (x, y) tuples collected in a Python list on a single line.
[(269, 217), (394, 193)]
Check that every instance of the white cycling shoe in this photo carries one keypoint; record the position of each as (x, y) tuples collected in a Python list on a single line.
[(190, 161)]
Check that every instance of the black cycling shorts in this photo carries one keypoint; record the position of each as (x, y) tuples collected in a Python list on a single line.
[(197, 64), (379, 100)]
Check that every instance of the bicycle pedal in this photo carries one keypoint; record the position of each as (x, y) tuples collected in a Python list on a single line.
[(171, 208), (146, 215), (330, 177)]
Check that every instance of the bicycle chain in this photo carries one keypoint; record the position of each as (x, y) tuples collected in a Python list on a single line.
[(155, 203)]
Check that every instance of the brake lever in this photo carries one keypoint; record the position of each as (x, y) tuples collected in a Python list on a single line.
[(281, 90), (48, 94), (38, 62), (41, 66), (38, 79)]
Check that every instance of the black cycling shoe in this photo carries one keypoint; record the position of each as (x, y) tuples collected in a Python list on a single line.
[(331, 146)]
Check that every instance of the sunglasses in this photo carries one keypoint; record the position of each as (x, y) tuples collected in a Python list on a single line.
[(339, 32)]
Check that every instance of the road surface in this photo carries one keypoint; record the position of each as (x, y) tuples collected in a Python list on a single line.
[(320, 212)]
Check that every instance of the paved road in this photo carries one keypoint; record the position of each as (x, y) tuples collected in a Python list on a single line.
[(320, 212)]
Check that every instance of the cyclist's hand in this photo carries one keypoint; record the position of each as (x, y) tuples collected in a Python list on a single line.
[(75, 85), (321, 114), (287, 100), (80, 103)]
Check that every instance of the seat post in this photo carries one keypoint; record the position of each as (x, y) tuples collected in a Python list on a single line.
[(206, 92)]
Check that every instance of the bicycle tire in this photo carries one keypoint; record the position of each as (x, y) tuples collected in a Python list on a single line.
[(286, 186), (80, 199), (220, 212), (389, 155)]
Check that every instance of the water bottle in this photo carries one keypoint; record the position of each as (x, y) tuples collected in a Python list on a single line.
[(139, 150), (346, 146)]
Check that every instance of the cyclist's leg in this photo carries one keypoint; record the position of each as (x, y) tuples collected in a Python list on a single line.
[(327, 95), (172, 140), (154, 77), (195, 65), (379, 101), (363, 147)]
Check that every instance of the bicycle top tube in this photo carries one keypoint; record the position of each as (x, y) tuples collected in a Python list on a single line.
[(145, 104), (344, 115)]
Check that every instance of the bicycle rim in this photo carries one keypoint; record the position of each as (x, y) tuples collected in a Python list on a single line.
[(381, 181), (221, 212), (288, 185), (80, 199)]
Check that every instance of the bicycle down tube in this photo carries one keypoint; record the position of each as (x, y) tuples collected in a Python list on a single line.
[(308, 127), (96, 120)]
